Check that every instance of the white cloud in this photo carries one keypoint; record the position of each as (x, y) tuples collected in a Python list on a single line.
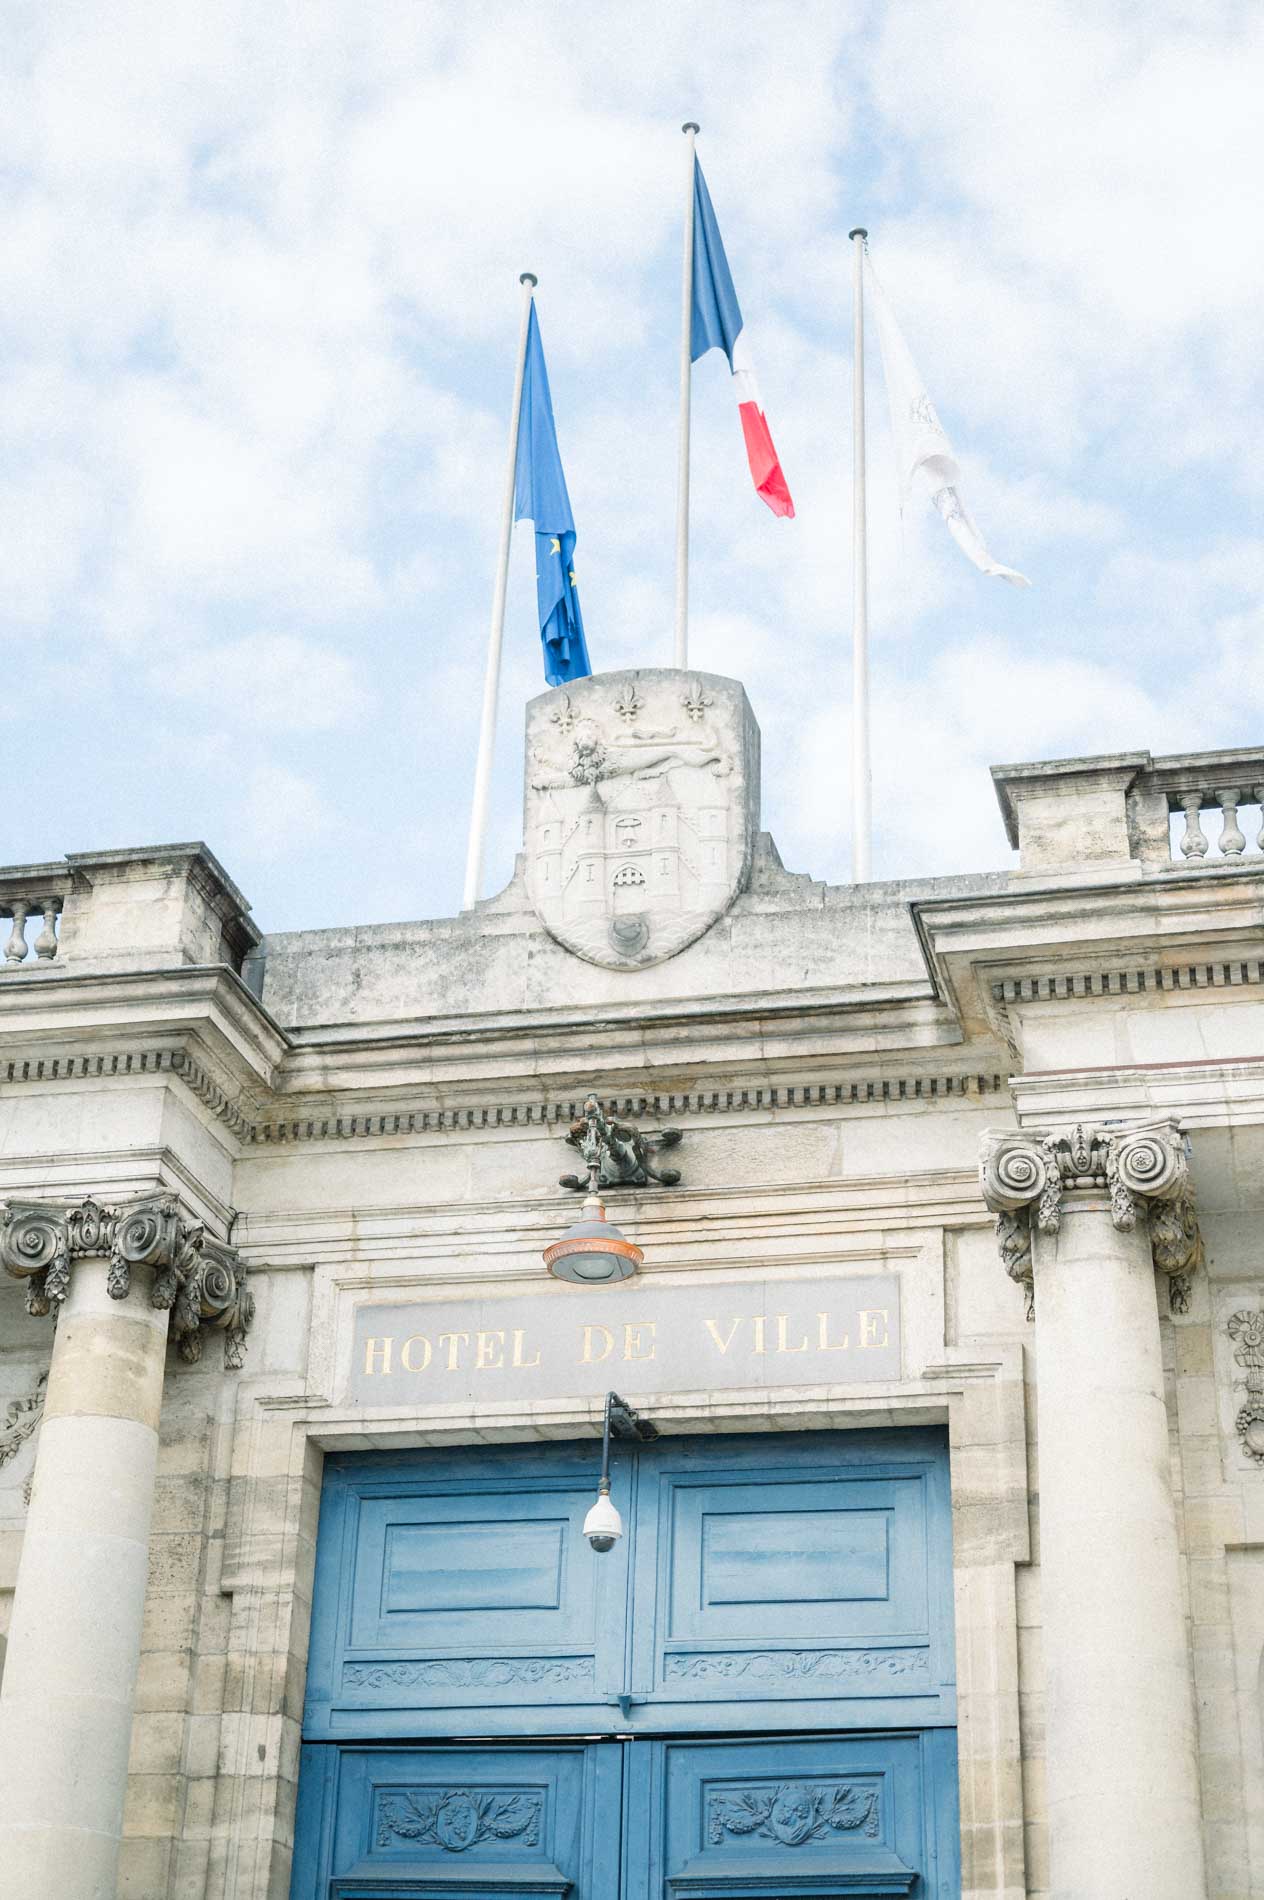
[(281, 812), (272, 682), (258, 318)]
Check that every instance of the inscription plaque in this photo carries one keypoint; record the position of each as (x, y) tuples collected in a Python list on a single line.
[(642, 1336)]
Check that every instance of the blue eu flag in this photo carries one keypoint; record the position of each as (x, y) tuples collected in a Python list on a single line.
[(540, 496)]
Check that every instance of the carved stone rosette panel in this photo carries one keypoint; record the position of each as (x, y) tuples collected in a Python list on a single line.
[(1144, 1168), (1246, 1330), (202, 1282)]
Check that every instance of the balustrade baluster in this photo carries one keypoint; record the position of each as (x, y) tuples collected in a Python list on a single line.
[(1258, 791), (16, 949), (1194, 843), (1231, 841), (46, 942)]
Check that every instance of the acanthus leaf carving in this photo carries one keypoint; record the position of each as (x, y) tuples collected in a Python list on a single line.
[(201, 1280), (468, 1672), (457, 1819), (792, 1813), (1144, 1168), (795, 1665)]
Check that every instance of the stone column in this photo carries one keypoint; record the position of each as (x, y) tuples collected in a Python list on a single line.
[(115, 1280), (1077, 1218)]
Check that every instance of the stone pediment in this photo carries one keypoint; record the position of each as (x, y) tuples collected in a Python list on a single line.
[(642, 803)]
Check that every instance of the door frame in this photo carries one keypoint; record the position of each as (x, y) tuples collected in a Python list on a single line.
[(279, 1444)]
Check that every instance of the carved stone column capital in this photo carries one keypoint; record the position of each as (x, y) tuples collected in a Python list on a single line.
[(1144, 1168), (202, 1282)]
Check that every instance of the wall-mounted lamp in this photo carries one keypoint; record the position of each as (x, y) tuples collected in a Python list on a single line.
[(603, 1527), (592, 1249), (615, 1155)]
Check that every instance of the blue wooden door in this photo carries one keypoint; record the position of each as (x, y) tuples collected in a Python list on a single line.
[(752, 1694)]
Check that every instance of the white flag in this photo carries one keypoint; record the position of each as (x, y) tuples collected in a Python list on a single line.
[(921, 446)]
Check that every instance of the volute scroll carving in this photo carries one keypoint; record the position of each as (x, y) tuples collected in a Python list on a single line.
[(1144, 1169), (202, 1282)]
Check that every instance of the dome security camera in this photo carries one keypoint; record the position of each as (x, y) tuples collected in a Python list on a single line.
[(603, 1527)]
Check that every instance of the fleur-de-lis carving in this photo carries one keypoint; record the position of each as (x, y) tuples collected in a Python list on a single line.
[(695, 702), (563, 714), (628, 702)]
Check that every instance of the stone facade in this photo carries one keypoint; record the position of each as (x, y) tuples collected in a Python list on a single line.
[(212, 1137)]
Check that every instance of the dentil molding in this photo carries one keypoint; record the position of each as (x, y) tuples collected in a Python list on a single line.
[(1144, 1168), (202, 1282)]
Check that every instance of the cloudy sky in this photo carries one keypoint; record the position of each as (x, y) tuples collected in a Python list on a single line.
[(257, 318)]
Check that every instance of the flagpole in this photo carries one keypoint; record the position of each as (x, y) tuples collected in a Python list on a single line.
[(681, 654), (861, 819), (491, 679)]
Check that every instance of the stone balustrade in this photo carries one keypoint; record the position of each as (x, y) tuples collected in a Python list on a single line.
[(1114, 814), (1228, 784), (30, 893)]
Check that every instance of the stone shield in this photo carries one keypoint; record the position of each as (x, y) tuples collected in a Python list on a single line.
[(642, 803)]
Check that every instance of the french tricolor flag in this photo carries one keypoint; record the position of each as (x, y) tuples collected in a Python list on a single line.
[(716, 324)]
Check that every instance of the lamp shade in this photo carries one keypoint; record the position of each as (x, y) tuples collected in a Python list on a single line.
[(592, 1250)]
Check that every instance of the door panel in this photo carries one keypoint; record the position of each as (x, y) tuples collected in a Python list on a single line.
[(459, 1823), (798, 1581), (793, 1582), (773, 1819), (456, 1594)]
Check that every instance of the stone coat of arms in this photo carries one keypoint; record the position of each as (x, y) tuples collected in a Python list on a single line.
[(641, 810)]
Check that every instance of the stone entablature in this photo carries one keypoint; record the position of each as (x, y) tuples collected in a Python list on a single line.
[(202, 1282)]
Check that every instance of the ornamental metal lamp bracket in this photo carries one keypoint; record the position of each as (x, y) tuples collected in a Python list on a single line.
[(620, 1153), (603, 1527)]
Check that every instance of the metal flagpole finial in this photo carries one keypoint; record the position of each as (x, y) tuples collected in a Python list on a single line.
[(691, 125), (529, 277), (859, 232)]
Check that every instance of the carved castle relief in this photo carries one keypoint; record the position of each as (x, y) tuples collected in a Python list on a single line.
[(641, 804)]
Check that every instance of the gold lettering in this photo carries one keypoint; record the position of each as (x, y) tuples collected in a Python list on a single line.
[(869, 1317), (783, 1320), (591, 1358), (518, 1359), (371, 1348), (489, 1350), (418, 1339), (454, 1350), (632, 1341), (758, 1324), (823, 1338), (714, 1331)]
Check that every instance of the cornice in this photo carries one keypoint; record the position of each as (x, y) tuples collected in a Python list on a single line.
[(42, 1012), (275, 1124), (1153, 979), (755, 1098)]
